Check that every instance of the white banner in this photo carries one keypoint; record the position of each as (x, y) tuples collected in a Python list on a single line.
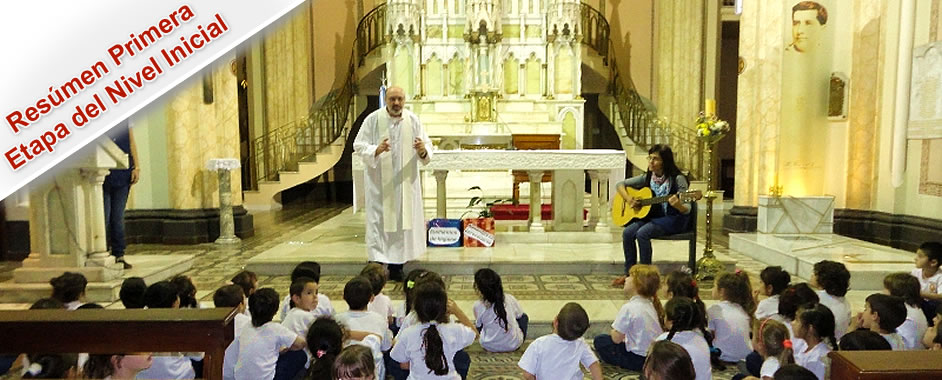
[(74, 69)]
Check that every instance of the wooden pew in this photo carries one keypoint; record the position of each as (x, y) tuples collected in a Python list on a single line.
[(886, 365), (105, 331)]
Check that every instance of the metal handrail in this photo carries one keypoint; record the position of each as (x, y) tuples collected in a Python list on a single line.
[(639, 123)]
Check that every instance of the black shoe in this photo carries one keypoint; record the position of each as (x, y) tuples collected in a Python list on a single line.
[(125, 263), (395, 274)]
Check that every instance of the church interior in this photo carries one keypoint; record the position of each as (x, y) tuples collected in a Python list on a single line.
[(806, 139)]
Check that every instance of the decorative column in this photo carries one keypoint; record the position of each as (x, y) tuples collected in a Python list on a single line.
[(536, 205), (594, 199), (224, 166), (97, 254), (604, 216), (441, 200)]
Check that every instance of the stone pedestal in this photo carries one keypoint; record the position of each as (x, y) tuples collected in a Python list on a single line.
[(224, 166), (568, 200), (796, 215), (536, 201)]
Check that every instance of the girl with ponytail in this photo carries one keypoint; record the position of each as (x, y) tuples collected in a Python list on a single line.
[(686, 328), (428, 349), (499, 332), (325, 340), (816, 326), (682, 284), (772, 341), (638, 322)]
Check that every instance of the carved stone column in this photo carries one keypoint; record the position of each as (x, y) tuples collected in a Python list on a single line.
[(441, 199), (223, 167), (98, 255), (594, 199), (604, 216), (536, 201)]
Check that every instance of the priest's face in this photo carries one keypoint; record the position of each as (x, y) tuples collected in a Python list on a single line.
[(395, 100)]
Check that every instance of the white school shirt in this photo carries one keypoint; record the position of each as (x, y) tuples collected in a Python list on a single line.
[(637, 319), (241, 321), (815, 360), (731, 327), (370, 322), (925, 284), (400, 314), (494, 338), (551, 357), (298, 321), (373, 343), (895, 341), (769, 366), (798, 344), (324, 308), (767, 307), (698, 349), (913, 328), (169, 365), (840, 307), (259, 348), (382, 305), (410, 348), (73, 305)]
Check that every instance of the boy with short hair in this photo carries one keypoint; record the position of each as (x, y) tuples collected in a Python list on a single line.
[(359, 293), (381, 304), (232, 296), (558, 355), (883, 315), (928, 259), (312, 270)]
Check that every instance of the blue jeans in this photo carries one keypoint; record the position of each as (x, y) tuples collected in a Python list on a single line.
[(642, 231), (290, 364), (616, 354), (524, 322), (116, 199)]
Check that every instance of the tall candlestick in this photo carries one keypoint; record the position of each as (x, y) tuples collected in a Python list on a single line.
[(710, 107)]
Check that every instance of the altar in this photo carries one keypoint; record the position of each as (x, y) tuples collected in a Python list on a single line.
[(568, 167)]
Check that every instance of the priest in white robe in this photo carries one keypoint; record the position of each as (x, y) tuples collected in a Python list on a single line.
[(391, 142)]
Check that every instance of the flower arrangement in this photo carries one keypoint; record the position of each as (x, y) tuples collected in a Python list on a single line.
[(710, 128)]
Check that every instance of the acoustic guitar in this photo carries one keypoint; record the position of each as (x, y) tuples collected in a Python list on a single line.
[(622, 213)]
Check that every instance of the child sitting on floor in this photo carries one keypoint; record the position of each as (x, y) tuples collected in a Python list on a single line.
[(815, 326), (905, 286), (358, 292), (498, 316), (834, 280), (883, 314), (263, 341), (381, 304), (731, 318), (928, 259), (558, 355), (230, 296), (774, 280), (311, 270), (639, 321)]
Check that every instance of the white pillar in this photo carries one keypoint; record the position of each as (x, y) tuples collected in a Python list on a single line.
[(98, 255), (604, 217), (904, 65), (594, 198), (441, 200), (536, 201)]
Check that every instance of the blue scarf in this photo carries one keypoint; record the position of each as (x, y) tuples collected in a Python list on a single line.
[(661, 187)]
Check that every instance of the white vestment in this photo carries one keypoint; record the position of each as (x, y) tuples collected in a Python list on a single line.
[(404, 241)]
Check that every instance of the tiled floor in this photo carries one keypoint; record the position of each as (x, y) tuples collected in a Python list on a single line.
[(294, 233)]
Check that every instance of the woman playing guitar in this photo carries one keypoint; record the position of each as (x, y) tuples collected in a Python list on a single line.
[(664, 178)]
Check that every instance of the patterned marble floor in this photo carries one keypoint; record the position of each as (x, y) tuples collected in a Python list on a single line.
[(540, 295)]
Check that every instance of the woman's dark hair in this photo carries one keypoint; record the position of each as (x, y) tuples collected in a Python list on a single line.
[(667, 159), (794, 372), (325, 339), (186, 290), (796, 296), (47, 303), (833, 277), (685, 315), (132, 293), (737, 289), (776, 277), (307, 269), (161, 295), (682, 284), (263, 304), (669, 360), (421, 276), (354, 361), (50, 366), (431, 304), (863, 340), (487, 281), (904, 285), (246, 280), (68, 287), (822, 319)]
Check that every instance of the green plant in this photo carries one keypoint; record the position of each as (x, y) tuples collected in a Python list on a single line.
[(484, 203)]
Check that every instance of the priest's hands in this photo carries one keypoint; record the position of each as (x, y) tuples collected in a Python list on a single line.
[(382, 147), (419, 146)]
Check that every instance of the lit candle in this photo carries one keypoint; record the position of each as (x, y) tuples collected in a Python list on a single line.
[(710, 107)]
